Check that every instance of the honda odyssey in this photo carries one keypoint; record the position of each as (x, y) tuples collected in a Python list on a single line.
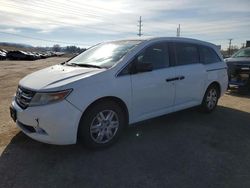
[(93, 96)]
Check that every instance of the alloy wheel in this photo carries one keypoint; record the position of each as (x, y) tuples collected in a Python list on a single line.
[(211, 99), (104, 126)]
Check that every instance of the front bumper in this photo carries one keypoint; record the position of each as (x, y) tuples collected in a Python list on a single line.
[(54, 124), (239, 75), (239, 83)]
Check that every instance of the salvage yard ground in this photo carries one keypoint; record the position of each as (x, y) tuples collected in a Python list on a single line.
[(184, 149)]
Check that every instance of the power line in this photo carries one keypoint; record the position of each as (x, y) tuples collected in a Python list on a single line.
[(140, 26), (62, 5), (82, 5), (48, 8), (71, 4), (40, 39), (63, 23)]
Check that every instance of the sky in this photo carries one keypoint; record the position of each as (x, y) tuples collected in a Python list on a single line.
[(85, 23)]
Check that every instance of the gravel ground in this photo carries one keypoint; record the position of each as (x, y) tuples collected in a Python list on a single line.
[(183, 149), (10, 74)]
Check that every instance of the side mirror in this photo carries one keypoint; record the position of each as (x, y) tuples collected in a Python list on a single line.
[(139, 65), (143, 67)]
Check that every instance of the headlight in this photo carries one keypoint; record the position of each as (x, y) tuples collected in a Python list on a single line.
[(48, 98)]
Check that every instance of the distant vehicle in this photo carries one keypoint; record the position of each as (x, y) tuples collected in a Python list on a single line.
[(33, 55), (30, 56), (2, 55), (21, 55), (239, 69), (94, 95), (3, 50), (43, 55), (17, 55), (58, 54)]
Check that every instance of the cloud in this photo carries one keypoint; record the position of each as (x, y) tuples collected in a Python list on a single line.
[(10, 30), (119, 17)]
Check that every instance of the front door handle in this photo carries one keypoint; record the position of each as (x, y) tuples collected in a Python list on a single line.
[(181, 77), (175, 78), (172, 79)]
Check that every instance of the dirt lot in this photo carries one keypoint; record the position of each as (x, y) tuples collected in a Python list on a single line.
[(10, 74), (184, 149)]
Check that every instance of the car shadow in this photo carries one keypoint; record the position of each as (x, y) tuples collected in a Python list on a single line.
[(239, 93), (183, 149)]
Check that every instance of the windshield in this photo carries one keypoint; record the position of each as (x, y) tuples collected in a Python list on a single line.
[(104, 55), (242, 53)]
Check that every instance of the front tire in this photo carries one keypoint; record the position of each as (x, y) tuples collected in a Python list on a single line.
[(102, 124), (210, 99)]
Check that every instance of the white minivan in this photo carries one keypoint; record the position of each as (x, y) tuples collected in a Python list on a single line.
[(93, 96)]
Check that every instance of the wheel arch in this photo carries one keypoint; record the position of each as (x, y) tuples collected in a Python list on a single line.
[(217, 84), (117, 100)]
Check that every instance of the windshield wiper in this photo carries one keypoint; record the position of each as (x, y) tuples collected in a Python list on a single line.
[(63, 63), (84, 65)]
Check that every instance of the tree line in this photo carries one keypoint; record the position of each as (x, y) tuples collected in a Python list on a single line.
[(67, 49)]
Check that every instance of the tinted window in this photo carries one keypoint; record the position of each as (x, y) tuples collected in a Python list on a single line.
[(156, 54), (208, 55), (186, 54)]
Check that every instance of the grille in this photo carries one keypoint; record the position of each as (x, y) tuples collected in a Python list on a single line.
[(23, 97)]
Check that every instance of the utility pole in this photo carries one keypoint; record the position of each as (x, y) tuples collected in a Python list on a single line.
[(229, 48), (243, 45), (178, 32), (140, 26)]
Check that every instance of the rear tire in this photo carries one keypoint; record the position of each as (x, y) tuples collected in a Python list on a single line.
[(102, 124), (210, 99)]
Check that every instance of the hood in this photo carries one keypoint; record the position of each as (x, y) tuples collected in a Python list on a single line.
[(239, 60), (56, 76)]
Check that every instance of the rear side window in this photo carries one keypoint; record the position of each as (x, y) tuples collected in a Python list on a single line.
[(208, 55), (186, 54), (156, 54)]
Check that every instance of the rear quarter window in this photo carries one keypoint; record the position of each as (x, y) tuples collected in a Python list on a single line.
[(208, 55)]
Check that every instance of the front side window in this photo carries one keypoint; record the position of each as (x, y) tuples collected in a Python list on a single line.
[(104, 55), (207, 55), (186, 54), (157, 55)]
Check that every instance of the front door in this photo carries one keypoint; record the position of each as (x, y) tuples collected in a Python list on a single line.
[(153, 92)]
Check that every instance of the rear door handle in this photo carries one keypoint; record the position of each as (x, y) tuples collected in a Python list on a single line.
[(172, 79)]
